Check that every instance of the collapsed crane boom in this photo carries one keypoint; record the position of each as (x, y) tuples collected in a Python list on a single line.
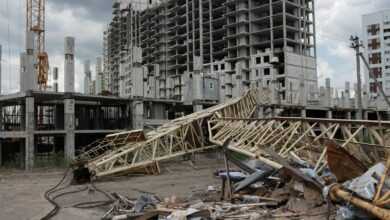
[(122, 153), (298, 138)]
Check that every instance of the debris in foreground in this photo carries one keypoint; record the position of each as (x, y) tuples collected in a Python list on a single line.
[(254, 190)]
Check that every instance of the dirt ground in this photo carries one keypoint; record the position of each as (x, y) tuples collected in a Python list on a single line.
[(22, 193)]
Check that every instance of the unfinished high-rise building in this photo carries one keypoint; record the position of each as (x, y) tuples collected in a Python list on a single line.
[(205, 51), (376, 41)]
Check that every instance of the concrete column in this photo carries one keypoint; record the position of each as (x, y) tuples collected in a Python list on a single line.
[(328, 93), (329, 114), (22, 161), (0, 68), (1, 116), (365, 115), (349, 115), (1, 154), (158, 111), (348, 94), (69, 65), (69, 105), (138, 114), (303, 91), (197, 107), (273, 112), (303, 113), (260, 112), (29, 148)]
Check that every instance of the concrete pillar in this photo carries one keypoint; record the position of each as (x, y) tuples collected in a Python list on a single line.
[(22, 147), (69, 66), (69, 105), (197, 107), (28, 73), (138, 114), (1, 121), (29, 148), (1, 154), (260, 112), (347, 94), (303, 113), (329, 114), (1, 116), (197, 79), (328, 93), (0, 67), (342, 100), (365, 115), (273, 112), (158, 111), (365, 97), (87, 77), (302, 91)]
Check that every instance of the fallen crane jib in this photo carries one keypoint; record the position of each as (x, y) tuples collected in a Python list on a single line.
[(125, 158), (138, 147), (370, 123), (95, 171), (285, 132)]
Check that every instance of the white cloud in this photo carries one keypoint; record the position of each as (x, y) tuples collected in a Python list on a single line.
[(324, 70), (336, 21), (341, 50), (85, 20), (61, 20)]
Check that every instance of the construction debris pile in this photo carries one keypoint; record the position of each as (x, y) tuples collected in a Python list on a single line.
[(255, 190), (299, 167)]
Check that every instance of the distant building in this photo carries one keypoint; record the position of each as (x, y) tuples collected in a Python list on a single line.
[(100, 82), (376, 40), (87, 77), (163, 50)]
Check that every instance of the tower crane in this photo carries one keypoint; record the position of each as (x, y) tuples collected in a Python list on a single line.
[(35, 22)]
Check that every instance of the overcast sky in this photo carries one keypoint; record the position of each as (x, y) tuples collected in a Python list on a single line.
[(86, 19)]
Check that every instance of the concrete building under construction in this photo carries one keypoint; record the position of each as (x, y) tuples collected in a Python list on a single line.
[(38, 125), (166, 59), (163, 50)]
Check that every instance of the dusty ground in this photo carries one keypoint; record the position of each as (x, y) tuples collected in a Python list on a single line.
[(21, 193)]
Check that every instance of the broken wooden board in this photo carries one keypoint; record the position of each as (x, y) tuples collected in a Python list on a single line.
[(342, 164)]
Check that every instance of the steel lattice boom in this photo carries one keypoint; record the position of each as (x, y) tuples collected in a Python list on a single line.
[(182, 136), (299, 139), (302, 139)]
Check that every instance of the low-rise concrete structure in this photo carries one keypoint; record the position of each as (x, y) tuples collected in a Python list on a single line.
[(34, 122)]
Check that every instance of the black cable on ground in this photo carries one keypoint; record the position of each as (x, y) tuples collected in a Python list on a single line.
[(70, 192), (56, 208), (95, 204), (83, 205)]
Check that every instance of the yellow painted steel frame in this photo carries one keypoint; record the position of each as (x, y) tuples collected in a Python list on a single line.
[(302, 139), (178, 137)]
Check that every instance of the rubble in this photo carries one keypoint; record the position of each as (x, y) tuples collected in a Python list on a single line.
[(286, 168), (340, 160), (260, 191)]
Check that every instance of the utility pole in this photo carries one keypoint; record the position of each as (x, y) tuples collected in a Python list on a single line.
[(356, 44)]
